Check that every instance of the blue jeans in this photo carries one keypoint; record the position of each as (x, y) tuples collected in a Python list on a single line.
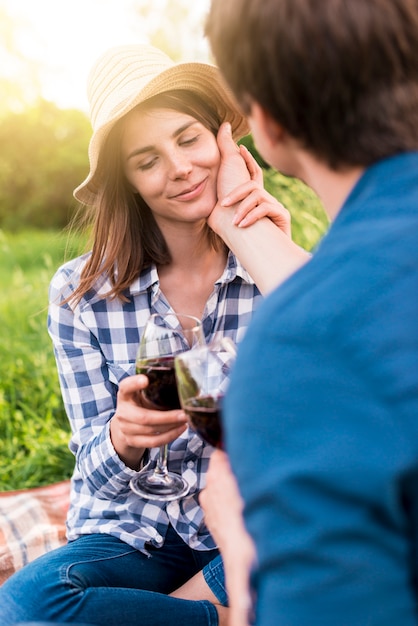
[(99, 580)]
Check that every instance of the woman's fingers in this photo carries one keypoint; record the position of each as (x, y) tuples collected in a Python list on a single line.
[(156, 438), (130, 388), (142, 426)]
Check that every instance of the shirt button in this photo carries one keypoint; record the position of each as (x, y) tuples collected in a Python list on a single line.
[(190, 464), (158, 538)]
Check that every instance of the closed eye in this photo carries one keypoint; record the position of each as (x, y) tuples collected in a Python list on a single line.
[(147, 166), (190, 141)]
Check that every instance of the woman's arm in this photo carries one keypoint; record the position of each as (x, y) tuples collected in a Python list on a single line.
[(266, 250)]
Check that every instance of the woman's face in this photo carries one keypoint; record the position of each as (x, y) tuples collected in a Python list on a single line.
[(172, 160)]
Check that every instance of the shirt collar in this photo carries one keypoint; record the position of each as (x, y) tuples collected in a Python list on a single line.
[(148, 278)]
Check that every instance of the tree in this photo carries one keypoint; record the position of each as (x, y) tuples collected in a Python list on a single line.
[(43, 158)]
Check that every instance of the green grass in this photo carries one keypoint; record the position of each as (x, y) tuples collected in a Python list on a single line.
[(34, 430), (309, 221)]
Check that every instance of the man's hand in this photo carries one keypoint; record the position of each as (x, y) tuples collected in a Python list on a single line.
[(222, 505)]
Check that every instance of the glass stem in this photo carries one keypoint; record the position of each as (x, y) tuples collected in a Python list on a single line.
[(161, 467)]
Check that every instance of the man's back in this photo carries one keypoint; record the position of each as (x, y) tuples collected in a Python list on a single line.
[(328, 424)]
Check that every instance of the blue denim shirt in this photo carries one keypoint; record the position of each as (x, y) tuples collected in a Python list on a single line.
[(329, 475)]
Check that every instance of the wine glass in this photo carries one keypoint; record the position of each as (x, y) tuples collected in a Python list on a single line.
[(164, 336), (202, 379)]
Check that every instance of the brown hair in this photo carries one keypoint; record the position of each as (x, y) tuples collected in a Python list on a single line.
[(125, 237), (340, 76)]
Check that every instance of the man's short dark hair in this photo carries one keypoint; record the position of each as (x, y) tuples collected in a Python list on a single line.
[(341, 76)]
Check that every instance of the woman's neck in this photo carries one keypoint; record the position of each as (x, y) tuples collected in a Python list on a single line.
[(188, 280), (188, 243)]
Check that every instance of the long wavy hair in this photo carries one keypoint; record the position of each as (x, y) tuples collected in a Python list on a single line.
[(124, 237)]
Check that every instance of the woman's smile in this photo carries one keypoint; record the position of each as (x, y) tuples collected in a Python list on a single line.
[(191, 192)]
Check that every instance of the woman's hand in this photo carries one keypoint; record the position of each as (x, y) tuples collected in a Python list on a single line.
[(241, 187), (134, 427)]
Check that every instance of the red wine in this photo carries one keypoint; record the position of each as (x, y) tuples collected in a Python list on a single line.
[(204, 413), (162, 386)]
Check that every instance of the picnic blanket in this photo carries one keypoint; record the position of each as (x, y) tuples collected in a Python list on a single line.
[(32, 522)]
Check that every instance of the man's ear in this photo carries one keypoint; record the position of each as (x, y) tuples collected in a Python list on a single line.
[(271, 129)]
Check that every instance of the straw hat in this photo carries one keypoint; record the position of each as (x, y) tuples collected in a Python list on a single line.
[(125, 76)]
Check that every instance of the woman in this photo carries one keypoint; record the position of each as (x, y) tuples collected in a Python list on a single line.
[(161, 155)]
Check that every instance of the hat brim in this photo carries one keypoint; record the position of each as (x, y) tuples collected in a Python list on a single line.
[(201, 78)]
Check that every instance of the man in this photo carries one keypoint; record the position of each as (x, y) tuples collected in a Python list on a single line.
[(321, 418)]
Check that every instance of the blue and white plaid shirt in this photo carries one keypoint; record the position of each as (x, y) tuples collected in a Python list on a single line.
[(95, 345)]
